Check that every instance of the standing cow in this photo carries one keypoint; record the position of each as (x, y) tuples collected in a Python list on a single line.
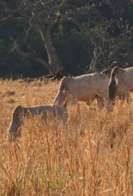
[(85, 88)]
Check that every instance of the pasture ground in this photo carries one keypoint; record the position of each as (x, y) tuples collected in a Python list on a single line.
[(93, 155)]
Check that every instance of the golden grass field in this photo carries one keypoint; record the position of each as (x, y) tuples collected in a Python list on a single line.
[(93, 155)]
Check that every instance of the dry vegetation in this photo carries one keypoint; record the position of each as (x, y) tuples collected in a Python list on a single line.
[(91, 156)]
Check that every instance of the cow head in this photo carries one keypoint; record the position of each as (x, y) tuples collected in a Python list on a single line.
[(61, 98), (113, 83), (17, 118)]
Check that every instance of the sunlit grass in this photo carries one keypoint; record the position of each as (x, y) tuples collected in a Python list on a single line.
[(91, 156)]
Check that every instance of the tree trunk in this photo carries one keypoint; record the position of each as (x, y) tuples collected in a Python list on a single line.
[(93, 60), (96, 54), (53, 59)]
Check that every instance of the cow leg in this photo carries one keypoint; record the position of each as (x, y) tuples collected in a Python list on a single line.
[(108, 104), (127, 98), (100, 102), (78, 108)]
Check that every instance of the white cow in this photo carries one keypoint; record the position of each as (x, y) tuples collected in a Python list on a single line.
[(85, 88), (59, 112), (121, 82)]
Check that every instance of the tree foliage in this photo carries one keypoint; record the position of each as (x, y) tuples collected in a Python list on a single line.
[(38, 37)]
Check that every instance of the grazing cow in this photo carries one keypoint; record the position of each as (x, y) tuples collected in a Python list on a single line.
[(121, 82), (59, 112), (85, 88)]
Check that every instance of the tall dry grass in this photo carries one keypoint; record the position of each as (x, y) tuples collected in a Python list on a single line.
[(91, 156)]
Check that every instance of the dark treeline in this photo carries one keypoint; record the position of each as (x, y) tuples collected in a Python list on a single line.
[(39, 37)]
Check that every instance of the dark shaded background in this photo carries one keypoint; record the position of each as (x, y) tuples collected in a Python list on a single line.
[(87, 35)]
